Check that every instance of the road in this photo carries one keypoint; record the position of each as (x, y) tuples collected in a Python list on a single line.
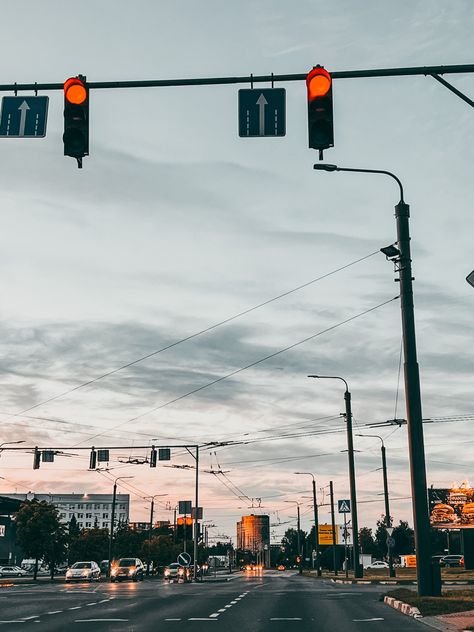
[(275, 601)]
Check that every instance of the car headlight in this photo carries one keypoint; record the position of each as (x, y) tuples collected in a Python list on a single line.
[(167, 572), (114, 572), (68, 573), (181, 571)]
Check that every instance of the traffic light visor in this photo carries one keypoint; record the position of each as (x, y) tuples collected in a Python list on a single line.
[(318, 83), (75, 91)]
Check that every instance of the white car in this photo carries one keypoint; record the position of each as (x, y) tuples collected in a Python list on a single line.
[(12, 571), (377, 564), (83, 571)]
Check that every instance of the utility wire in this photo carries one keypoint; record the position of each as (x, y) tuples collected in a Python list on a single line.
[(195, 335), (248, 366)]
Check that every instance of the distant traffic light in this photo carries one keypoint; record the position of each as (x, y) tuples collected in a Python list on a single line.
[(153, 456), (36, 459), (320, 109), (93, 460), (76, 118)]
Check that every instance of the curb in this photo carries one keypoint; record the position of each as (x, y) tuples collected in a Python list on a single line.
[(405, 608), (400, 582)]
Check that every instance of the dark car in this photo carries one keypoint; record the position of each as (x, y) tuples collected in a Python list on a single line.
[(452, 560), (127, 568)]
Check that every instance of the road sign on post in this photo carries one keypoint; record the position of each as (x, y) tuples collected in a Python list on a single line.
[(24, 117), (470, 278), (344, 506), (184, 507), (184, 559), (262, 112)]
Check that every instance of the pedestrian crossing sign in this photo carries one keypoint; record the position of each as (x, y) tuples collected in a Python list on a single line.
[(344, 506)]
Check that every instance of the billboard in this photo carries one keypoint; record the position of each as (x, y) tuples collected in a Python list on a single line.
[(325, 535), (452, 508)]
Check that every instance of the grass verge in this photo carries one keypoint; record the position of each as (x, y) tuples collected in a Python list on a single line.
[(450, 601)]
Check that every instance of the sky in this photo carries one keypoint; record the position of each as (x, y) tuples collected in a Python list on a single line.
[(176, 225)]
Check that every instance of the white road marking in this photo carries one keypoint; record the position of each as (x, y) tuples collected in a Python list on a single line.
[(74, 608), (54, 612), (221, 610), (286, 619), (228, 606), (172, 619), (33, 616), (201, 619), (214, 614), (373, 619), (233, 602), (96, 620), (91, 604)]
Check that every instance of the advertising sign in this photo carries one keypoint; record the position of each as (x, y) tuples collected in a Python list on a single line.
[(452, 508), (343, 536)]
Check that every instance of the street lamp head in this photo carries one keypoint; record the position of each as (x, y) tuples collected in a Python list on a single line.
[(324, 166), (390, 251)]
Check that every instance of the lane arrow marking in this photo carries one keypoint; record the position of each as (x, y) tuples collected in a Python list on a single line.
[(261, 102), (23, 109)]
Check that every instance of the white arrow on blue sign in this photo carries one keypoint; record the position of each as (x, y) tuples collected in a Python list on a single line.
[(184, 559), (262, 112), (24, 117), (344, 506)]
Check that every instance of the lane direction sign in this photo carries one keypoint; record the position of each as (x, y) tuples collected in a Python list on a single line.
[(184, 559), (262, 112), (24, 117), (344, 506)]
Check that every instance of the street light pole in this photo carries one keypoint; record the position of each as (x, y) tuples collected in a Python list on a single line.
[(298, 538), (350, 454), (412, 387), (388, 517), (316, 524), (333, 524), (111, 532)]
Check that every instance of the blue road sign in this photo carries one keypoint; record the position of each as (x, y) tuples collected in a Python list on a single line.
[(24, 117), (344, 506), (262, 112)]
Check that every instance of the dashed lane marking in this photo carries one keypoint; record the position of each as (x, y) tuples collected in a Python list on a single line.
[(74, 607), (373, 619), (201, 619), (97, 620), (214, 614), (54, 612), (33, 616), (286, 619), (172, 619)]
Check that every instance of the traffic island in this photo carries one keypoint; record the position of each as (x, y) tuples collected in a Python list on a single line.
[(453, 610)]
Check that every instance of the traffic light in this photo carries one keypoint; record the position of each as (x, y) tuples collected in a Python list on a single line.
[(153, 456), (36, 459), (320, 109), (76, 118), (93, 460)]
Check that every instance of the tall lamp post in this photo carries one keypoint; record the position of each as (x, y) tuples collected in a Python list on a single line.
[(150, 529), (388, 518), (350, 453), (316, 524), (111, 532), (298, 527), (401, 256)]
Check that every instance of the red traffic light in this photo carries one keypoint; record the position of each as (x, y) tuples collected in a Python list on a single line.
[(75, 91), (320, 110), (318, 83)]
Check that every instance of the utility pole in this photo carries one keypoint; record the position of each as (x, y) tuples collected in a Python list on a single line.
[(333, 522), (111, 532), (150, 531), (316, 524)]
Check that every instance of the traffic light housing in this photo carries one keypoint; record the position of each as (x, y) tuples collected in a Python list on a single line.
[(93, 460), (153, 456), (36, 459), (320, 109), (76, 118)]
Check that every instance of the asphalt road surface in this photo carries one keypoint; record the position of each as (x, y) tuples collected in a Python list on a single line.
[(274, 601)]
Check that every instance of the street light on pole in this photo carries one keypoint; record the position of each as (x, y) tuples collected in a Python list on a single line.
[(388, 518), (316, 524), (111, 532), (152, 506), (401, 256), (300, 570), (350, 453)]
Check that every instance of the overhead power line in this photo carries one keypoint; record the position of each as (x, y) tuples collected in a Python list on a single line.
[(191, 336), (248, 366)]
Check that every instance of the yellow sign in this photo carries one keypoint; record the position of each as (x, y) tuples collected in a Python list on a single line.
[(325, 534)]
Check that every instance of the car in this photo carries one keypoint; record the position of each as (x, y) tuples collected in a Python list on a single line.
[(127, 568), (176, 572), (12, 571), (436, 559), (83, 571), (452, 560), (378, 564)]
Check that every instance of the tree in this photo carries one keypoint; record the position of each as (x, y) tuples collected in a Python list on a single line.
[(40, 532), (90, 544), (73, 528), (366, 541), (404, 537)]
